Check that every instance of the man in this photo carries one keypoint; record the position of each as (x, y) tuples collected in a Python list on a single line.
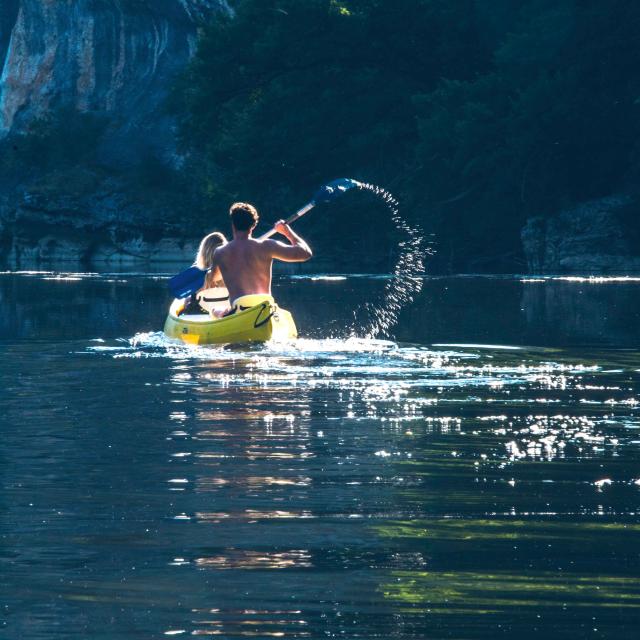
[(245, 262)]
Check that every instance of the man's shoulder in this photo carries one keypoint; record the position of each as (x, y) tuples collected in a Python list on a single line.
[(266, 242), (262, 244), (269, 247)]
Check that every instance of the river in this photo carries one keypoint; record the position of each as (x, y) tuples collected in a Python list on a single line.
[(475, 473)]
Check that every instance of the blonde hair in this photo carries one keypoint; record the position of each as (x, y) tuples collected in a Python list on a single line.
[(204, 257)]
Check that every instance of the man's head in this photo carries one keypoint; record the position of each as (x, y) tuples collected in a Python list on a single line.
[(244, 217)]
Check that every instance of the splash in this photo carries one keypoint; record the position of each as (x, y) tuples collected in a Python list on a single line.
[(156, 345), (406, 278)]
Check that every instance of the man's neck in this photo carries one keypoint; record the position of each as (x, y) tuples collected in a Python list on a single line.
[(241, 235)]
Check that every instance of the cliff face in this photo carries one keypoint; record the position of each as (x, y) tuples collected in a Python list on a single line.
[(116, 60), (113, 57), (595, 237)]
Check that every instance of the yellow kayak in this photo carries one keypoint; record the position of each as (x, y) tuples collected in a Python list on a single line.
[(257, 323)]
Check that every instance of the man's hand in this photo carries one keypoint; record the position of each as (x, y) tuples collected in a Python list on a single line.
[(297, 251), (282, 227)]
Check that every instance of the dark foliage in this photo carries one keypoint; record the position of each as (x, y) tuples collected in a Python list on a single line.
[(476, 113), (65, 138)]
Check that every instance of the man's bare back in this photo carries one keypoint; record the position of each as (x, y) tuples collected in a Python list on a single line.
[(245, 262)]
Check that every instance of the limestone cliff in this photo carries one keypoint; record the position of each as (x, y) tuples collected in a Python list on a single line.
[(115, 60), (115, 57)]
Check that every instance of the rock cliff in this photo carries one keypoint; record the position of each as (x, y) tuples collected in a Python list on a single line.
[(596, 237), (112, 57), (116, 61)]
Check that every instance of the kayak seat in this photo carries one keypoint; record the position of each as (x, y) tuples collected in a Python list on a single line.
[(193, 307)]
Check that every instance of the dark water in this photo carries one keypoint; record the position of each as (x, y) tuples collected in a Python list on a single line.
[(430, 486)]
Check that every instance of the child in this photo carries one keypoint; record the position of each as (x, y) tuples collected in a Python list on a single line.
[(204, 258), (213, 278)]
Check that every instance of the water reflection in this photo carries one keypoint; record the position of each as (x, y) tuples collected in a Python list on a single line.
[(324, 488), (602, 310), (485, 310), (457, 449), (263, 623)]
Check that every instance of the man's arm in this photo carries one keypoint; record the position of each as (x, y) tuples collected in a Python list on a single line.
[(297, 251)]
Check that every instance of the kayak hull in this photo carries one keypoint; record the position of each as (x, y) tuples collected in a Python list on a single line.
[(263, 322)]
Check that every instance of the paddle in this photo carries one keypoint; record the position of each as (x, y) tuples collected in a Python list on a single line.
[(192, 279)]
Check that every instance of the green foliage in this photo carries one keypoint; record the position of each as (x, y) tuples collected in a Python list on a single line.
[(64, 139), (296, 93), (477, 113)]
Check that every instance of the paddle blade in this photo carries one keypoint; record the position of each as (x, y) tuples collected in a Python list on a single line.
[(334, 189), (187, 282)]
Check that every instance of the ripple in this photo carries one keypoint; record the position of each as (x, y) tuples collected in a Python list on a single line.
[(250, 559)]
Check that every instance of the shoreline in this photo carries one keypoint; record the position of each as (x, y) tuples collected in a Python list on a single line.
[(169, 268)]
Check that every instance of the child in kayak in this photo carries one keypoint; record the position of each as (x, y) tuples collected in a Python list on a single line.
[(204, 259), (213, 279)]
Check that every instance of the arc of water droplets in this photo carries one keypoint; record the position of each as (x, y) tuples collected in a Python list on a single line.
[(406, 280)]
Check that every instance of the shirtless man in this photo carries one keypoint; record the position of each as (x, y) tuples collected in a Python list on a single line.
[(245, 262)]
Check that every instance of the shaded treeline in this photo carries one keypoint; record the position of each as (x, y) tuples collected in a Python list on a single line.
[(476, 113)]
